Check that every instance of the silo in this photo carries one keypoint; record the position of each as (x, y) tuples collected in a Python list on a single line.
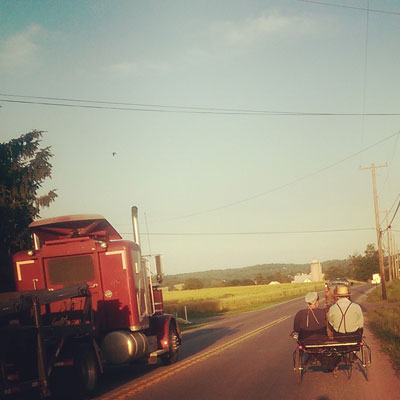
[(316, 271)]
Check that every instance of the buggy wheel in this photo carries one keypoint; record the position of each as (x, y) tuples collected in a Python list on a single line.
[(366, 361), (171, 355), (298, 365), (348, 358)]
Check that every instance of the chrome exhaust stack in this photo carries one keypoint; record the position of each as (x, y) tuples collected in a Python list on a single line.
[(134, 213)]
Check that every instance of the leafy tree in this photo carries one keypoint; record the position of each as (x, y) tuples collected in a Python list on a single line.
[(363, 267), (337, 271), (193, 283), (24, 166)]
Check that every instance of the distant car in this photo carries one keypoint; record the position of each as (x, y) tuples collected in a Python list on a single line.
[(339, 282)]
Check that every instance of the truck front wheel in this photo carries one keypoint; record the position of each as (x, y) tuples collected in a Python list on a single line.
[(71, 382), (86, 369), (171, 356)]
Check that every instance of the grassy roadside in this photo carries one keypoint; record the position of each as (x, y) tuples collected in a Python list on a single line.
[(204, 303), (384, 320)]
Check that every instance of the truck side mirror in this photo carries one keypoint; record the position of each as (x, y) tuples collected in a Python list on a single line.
[(159, 271)]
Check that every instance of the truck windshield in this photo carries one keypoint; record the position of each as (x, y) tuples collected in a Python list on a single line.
[(68, 271)]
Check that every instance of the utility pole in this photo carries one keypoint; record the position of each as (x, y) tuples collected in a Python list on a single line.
[(395, 258), (378, 229), (393, 251), (389, 247)]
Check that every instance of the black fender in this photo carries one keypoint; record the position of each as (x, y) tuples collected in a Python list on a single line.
[(160, 326)]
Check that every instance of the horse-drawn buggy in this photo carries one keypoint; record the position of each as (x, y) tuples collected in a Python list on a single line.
[(333, 354)]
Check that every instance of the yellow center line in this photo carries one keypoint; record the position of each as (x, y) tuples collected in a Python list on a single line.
[(180, 366)]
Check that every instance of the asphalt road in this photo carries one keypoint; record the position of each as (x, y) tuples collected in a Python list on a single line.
[(249, 356)]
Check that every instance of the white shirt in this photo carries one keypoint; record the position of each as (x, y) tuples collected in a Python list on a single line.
[(352, 320)]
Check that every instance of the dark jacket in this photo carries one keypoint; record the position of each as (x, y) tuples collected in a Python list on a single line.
[(310, 324)]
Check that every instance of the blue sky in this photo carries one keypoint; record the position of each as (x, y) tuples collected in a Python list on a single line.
[(195, 171)]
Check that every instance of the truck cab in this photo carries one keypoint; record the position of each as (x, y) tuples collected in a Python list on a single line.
[(80, 249)]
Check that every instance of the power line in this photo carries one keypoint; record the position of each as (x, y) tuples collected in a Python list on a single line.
[(177, 109), (320, 3), (397, 198), (139, 104), (288, 183), (149, 105), (394, 215), (126, 108), (246, 233)]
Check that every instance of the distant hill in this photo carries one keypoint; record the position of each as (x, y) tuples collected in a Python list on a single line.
[(268, 271)]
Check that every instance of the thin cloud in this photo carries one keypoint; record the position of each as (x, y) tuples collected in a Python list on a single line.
[(251, 30), (20, 49)]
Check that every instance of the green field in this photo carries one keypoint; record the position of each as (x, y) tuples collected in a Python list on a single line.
[(224, 300)]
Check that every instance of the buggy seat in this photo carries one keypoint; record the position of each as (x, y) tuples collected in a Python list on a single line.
[(339, 340)]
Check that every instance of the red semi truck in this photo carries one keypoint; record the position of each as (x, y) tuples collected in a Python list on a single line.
[(85, 298)]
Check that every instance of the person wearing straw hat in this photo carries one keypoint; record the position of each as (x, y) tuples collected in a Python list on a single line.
[(310, 323), (345, 316)]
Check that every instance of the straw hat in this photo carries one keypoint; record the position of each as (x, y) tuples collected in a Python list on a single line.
[(342, 291)]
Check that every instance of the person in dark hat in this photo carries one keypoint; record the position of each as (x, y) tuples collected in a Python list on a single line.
[(310, 323)]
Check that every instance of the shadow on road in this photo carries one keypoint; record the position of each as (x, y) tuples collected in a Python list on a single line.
[(201, 339), (194, 342)]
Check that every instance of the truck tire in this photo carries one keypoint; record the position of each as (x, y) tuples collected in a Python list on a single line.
[(76, 381), (86, 368), (172, 355)]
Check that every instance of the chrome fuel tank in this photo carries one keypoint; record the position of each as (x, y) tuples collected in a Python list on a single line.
[(122, 346)]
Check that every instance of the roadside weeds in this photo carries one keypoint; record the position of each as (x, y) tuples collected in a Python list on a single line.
[(384, 320)]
